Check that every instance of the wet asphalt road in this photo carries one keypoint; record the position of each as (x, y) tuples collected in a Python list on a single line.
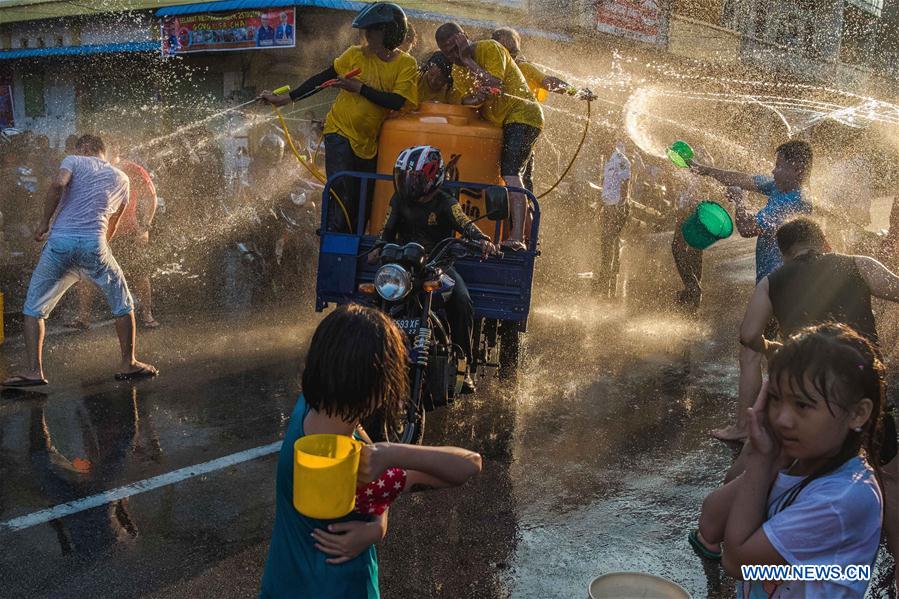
[(596, 454)]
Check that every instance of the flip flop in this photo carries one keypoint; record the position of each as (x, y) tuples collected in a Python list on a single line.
[(143, 373), (19, 381), (703, 551)]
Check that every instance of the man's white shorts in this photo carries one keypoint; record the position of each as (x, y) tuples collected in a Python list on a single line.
[(66, 260)]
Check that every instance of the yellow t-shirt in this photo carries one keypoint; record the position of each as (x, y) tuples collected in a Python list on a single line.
[(534, 77), (426, 94), (516, 104), (358, 119)]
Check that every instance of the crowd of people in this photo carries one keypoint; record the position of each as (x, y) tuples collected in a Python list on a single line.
[(816, 480), (819, 439)]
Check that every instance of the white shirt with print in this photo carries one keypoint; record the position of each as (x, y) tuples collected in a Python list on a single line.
[(835, 520), (617, 170)]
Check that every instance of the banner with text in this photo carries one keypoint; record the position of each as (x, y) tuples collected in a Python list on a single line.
[(240, 30), (642, 20)]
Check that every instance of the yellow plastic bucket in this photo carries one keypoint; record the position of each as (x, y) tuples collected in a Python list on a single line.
[(324, 475)]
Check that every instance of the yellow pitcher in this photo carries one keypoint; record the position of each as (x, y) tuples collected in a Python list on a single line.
[(324, 475)]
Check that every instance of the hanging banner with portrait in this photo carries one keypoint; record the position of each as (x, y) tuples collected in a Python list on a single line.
[(240, 30)]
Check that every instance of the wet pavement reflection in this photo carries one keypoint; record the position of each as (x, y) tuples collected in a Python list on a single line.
[(597, 457)]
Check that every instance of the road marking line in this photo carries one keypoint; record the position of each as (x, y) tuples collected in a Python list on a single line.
[(85, 503)]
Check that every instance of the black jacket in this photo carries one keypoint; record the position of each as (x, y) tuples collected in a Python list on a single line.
[(427, 223)]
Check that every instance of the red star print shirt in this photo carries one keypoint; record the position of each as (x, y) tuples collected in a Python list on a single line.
[(375, 497)]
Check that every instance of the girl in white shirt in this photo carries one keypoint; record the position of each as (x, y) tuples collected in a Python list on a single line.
[(810, 492)]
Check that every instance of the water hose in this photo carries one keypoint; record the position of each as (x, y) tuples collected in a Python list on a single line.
[(577, 152), (309, 166)]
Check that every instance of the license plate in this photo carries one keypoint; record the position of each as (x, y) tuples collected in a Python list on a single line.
[(409, 325)]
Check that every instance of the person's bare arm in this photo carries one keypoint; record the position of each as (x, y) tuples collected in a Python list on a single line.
[(746, 223), (343, 541), (625, 190), (114, 218), (466, 53), (145, 217), (482, 75), (51, 202), (758, 315), (555, 85), (146, 211), (881, 281), (475, 99), (745, 540), (114, 222), (726, 178), (432, 466)]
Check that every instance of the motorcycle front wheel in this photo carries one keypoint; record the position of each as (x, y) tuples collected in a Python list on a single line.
[(406, 431)]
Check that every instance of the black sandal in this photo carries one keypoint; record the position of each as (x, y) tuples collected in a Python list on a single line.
[(700, 548)]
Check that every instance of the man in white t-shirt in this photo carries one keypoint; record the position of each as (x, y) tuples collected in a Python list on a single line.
[(616, 178), (90, 195)]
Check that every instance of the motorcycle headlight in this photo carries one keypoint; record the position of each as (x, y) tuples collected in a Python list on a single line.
[(392, 282)]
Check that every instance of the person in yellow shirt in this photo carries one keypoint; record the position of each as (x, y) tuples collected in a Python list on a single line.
[(388, 80), (485, 75), (539, 83), (435, 79)]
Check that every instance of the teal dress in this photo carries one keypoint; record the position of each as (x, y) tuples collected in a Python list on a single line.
[(295, 568)]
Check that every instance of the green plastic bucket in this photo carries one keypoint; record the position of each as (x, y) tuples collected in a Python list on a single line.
[(708, 224), (680, 154)]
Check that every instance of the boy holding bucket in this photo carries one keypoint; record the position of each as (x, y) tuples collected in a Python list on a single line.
[(787, 198), (785, 190), (356, 366)]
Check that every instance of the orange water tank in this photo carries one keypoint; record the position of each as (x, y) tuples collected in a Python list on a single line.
[(454, 129)]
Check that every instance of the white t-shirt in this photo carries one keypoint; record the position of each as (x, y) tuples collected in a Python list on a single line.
[(835, 520), (616, 171), (96, 191)]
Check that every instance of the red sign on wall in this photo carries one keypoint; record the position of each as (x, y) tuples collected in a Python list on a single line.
[(643, 20)]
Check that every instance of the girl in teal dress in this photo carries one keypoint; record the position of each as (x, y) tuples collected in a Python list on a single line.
[(357, 365)]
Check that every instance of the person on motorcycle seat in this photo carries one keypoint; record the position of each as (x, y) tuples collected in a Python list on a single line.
[(421, 212)]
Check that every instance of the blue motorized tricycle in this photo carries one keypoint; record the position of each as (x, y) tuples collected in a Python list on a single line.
[(409, 284)]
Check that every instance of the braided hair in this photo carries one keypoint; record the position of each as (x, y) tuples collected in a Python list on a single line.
[(844, 368)]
